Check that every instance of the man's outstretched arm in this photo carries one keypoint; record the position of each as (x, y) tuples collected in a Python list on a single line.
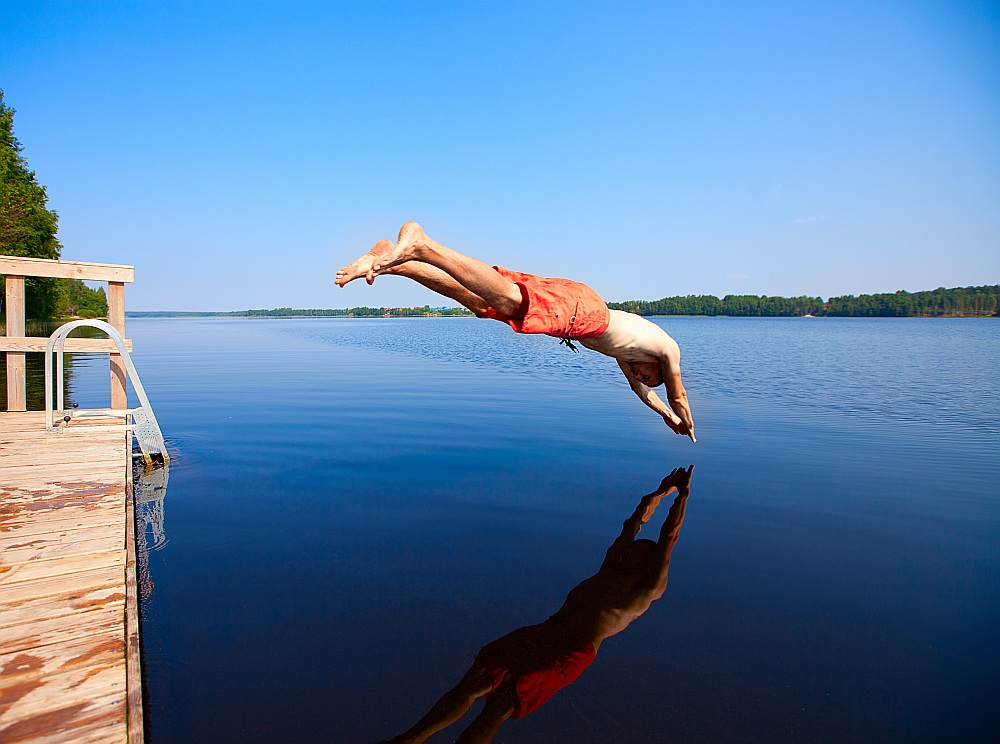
[(676, 392), (670, 371), (631, 526), (647, 507), (679, 479), (669, 356)]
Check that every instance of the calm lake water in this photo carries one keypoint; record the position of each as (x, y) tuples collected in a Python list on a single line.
[(355, 507)]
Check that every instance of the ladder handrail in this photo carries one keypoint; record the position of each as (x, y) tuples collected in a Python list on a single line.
[(56, 344)]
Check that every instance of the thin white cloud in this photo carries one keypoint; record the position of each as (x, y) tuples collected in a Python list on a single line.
[(737, 276), (818, 218)]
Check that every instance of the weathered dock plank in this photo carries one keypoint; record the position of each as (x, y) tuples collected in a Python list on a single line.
[(62, 544), (69, 657), (17, 593), (49, 631), (102, 590)]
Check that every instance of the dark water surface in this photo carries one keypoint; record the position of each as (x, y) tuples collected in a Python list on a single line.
[(355, 507)]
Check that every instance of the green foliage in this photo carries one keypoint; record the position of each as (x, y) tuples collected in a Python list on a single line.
[(27, 227), (83, 301), (959, 302), (44, 297), (731, 305)]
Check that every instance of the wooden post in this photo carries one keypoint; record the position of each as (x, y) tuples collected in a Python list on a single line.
[(16, 391), (116, 317)]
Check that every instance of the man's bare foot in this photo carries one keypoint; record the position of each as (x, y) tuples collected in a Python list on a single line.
[(411, 237), (361, 266)]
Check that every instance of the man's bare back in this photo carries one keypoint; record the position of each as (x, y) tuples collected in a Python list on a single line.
[(646, 354)]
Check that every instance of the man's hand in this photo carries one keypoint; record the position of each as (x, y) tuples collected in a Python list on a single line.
[(679, 478), (672, 420)]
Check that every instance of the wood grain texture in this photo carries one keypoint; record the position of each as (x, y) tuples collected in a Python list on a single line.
[(116, 317), (98, 272), (75, 345), (14, 307), (14, 310), (66, 641), (103, 622), (102, 591)]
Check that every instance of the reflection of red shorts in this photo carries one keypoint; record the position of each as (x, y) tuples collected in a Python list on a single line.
[(542, 660), (557, 307)]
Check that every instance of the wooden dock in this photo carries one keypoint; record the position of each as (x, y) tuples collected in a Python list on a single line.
[(69, 636), (69, 622)]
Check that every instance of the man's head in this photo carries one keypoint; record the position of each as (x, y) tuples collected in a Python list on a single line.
[(636, 555), (648, 373)]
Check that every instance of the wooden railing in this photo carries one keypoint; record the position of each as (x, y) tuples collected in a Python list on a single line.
[(16, 344)]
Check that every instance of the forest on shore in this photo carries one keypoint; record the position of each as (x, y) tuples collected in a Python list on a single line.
[(958, 302)]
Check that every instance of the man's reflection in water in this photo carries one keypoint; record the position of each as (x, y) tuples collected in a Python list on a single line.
[(519, 672)]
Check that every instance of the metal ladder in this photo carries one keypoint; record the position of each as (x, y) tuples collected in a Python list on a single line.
[(144, 427)]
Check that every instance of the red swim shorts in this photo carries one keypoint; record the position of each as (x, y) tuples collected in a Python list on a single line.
[(556, 307), (541, 659)]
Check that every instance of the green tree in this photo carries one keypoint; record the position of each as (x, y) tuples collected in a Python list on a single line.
[(84, 302), (27, 226)]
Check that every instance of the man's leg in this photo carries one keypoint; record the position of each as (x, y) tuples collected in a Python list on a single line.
[(498, 709), (453, 705), (434, 279), (430, 276), (479, 278)]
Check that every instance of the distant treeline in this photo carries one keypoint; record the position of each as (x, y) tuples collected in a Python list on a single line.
[(959, 302), (288, 312), (353, 312)]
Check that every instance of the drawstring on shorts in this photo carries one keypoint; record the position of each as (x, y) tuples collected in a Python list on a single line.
[(568, 341)]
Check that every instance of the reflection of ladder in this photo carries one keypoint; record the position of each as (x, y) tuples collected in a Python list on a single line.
[(148, 490), (144, 426)]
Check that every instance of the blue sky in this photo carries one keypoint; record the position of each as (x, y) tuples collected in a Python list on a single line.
[(239, 153)]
